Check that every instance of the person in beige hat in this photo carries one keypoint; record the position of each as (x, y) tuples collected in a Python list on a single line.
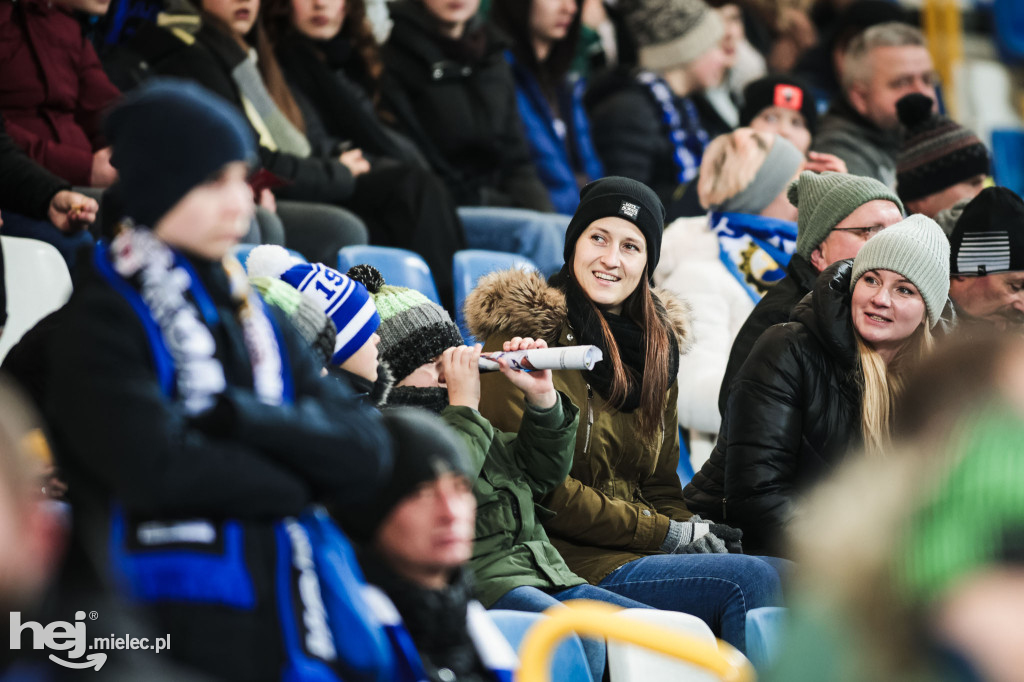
[(824, 382), (644, 123)]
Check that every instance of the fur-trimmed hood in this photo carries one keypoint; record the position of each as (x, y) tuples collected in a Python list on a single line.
[(524, 304)]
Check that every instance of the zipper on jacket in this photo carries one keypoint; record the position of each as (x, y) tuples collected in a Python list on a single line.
[(590, 418), (723, 508)]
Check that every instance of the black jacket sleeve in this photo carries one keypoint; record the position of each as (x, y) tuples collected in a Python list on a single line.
[(328, 437), (764, 428), (25, 186), (114, 428)]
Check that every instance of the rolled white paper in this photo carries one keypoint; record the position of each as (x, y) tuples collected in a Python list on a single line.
[(567, 357)]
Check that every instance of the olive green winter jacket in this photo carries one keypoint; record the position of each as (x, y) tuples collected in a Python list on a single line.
[(511, 548)]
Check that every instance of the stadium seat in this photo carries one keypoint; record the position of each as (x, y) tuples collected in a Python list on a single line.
[(1008, 21), (1008, 158), (569, 663), (764, 634), (399, 267), (242, 251), (628, 663), (685, 467), (469, 265), (37, 282)]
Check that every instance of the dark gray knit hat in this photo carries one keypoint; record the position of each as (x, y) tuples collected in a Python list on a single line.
[(671, 33), (424, 448), (413, 329), (823, 200), (916, 248)]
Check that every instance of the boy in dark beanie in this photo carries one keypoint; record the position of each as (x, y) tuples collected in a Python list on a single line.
[(191, 420), (941, 161), (514, 564)]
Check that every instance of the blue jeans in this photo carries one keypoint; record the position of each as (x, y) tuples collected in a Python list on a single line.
[(538, 236), (533, 600), (17, 225), (717, 588)]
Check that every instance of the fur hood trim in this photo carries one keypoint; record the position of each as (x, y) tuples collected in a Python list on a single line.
[(520, 303)]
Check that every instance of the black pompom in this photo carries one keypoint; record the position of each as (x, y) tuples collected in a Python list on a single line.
[(368, 276), (914, 109)]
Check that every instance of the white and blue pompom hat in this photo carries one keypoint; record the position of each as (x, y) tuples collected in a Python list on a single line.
[(344, 300)]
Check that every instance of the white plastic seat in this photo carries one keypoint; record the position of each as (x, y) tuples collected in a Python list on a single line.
[(37, 282), (627, 663)]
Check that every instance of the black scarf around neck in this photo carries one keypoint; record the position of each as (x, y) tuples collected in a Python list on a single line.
[(629, 337)]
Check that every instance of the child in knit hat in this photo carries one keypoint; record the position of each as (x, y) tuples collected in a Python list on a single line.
[(793, 411), (346, 302), (515, 567)]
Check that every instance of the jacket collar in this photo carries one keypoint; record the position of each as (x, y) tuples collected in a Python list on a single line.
[(826, 313), (523, 303), (888, 139), (802, 272)]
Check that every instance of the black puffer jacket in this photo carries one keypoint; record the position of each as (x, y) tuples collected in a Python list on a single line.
[(456, 99), (793, 412), (775, 308)]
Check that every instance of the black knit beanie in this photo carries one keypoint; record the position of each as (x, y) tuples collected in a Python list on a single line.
[(937, 152), (424, 448), (170, 136), (989, 235), (787, 92), (619, 198)]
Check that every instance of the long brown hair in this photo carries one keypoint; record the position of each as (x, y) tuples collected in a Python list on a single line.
[(643, 308), (277, 19), (270, 70)]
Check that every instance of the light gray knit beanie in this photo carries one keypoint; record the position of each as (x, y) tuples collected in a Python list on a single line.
[(671, 33), (823, 200), (916, 248)]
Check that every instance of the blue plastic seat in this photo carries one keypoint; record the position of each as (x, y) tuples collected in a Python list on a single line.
[(764, 635), (242, 252), (469, 265), (400, 267), (685, 467), (1008, 21), (1008, 158), (569, 663)]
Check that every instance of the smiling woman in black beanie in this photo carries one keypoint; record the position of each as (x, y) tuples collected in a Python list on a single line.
[(618, 519)]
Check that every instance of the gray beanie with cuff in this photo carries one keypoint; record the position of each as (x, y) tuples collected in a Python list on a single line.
[(916, 248), (824, 200)]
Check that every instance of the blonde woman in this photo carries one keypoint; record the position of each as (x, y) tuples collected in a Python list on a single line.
[(824, 382)]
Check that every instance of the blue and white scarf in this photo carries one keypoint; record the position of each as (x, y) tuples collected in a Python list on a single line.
[(756, 250), (684, 130)]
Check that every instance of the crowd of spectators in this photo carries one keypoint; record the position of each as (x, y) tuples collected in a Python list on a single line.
[(799, 274)]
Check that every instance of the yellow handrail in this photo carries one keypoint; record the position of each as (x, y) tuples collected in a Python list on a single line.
[(597, 619), (944, 29)]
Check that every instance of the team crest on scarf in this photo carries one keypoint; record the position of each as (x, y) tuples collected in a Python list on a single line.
[(754, 249)]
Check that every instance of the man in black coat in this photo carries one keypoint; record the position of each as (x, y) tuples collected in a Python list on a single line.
[(837, 214)]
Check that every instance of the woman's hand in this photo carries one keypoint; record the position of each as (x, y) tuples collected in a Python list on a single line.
[(354, 161), (535, 385), (820, 162), (460, 373)]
